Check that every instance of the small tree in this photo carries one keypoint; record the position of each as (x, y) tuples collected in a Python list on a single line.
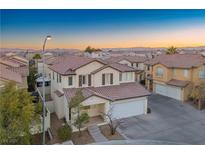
[(113, 123), (16, 114), (172, 50), (80, 120), (32, 78), (37, 56), (91, 50), (75, 104)]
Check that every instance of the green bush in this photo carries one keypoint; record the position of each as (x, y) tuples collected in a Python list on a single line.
[(148, 110), (65, 132)]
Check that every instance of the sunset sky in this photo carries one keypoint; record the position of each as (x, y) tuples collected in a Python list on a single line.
[(102, 28)]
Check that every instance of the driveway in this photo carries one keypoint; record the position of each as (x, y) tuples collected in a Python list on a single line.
[(169, 121)]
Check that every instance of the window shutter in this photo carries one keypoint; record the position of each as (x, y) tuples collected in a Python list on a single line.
[(89, 80), (80, 80), (57, 77), (103, 79), (111, 78)]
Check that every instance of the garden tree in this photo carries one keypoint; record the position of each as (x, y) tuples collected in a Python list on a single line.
[(113, 123), (90, 49), (172, 50), (198, 93), (75, 104), (37, 56), (31, 79), (16, 114)]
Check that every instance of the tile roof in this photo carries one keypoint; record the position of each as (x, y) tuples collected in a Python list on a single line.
[(178, 60), (117, 66), (133, 59), (113, 93), (9, 62), (68, 64), (178, 83), (9, 74), (58, 93)]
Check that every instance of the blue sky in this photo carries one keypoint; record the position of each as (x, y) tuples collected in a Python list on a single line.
[(102, 28)]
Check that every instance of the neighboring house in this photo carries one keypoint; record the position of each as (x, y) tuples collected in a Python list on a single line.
[(174, 75), (16, 67), (136, 62), (7, 75), (104, 86)]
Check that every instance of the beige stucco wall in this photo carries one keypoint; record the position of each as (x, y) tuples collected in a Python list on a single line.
[(195, 75), (166, 75), (97, 78), (87, 69)]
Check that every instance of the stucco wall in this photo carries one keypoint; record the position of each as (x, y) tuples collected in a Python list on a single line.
[(97, 82)]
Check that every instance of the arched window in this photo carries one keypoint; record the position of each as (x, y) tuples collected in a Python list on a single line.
[(159, 72)]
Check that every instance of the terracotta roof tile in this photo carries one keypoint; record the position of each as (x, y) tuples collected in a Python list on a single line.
[(58, 93), (178, 83), (9, 74), (178, 60), (68, 64), (117, 66), (133, 59), (113, 93)]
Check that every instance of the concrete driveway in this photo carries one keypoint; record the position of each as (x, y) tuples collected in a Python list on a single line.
[(169, 121)]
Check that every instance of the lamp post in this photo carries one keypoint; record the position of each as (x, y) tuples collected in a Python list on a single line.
[(44, 99)]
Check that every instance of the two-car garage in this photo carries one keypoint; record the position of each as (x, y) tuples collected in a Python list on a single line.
[(169, 91), (128, 108)]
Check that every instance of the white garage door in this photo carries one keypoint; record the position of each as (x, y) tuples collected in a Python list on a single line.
[(169, 91), (123, 109)]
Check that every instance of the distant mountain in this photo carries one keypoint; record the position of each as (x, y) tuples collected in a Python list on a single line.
[(34, 50)]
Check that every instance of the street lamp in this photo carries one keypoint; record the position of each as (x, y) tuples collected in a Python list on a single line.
[(44, 99)]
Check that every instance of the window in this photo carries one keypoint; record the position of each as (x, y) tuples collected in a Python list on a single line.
[(202, 74), (39, 84), (49, 75), (174, 72), (70, 80), (159, 72), (83, 80), (47, 83), (185, 73), (128, 76), (107, 79), (53, 75), (148, 67)]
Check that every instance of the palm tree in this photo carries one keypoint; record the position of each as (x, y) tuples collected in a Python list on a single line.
[(171, 50)]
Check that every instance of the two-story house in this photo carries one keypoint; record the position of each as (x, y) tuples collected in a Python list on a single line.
[(174, 75), (104, 86), (136, 62)]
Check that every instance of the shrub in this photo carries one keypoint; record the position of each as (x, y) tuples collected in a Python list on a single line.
[(65, 132), (148, 110)]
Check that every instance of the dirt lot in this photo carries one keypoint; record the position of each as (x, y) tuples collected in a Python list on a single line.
[(105, 129), (85, 138)]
